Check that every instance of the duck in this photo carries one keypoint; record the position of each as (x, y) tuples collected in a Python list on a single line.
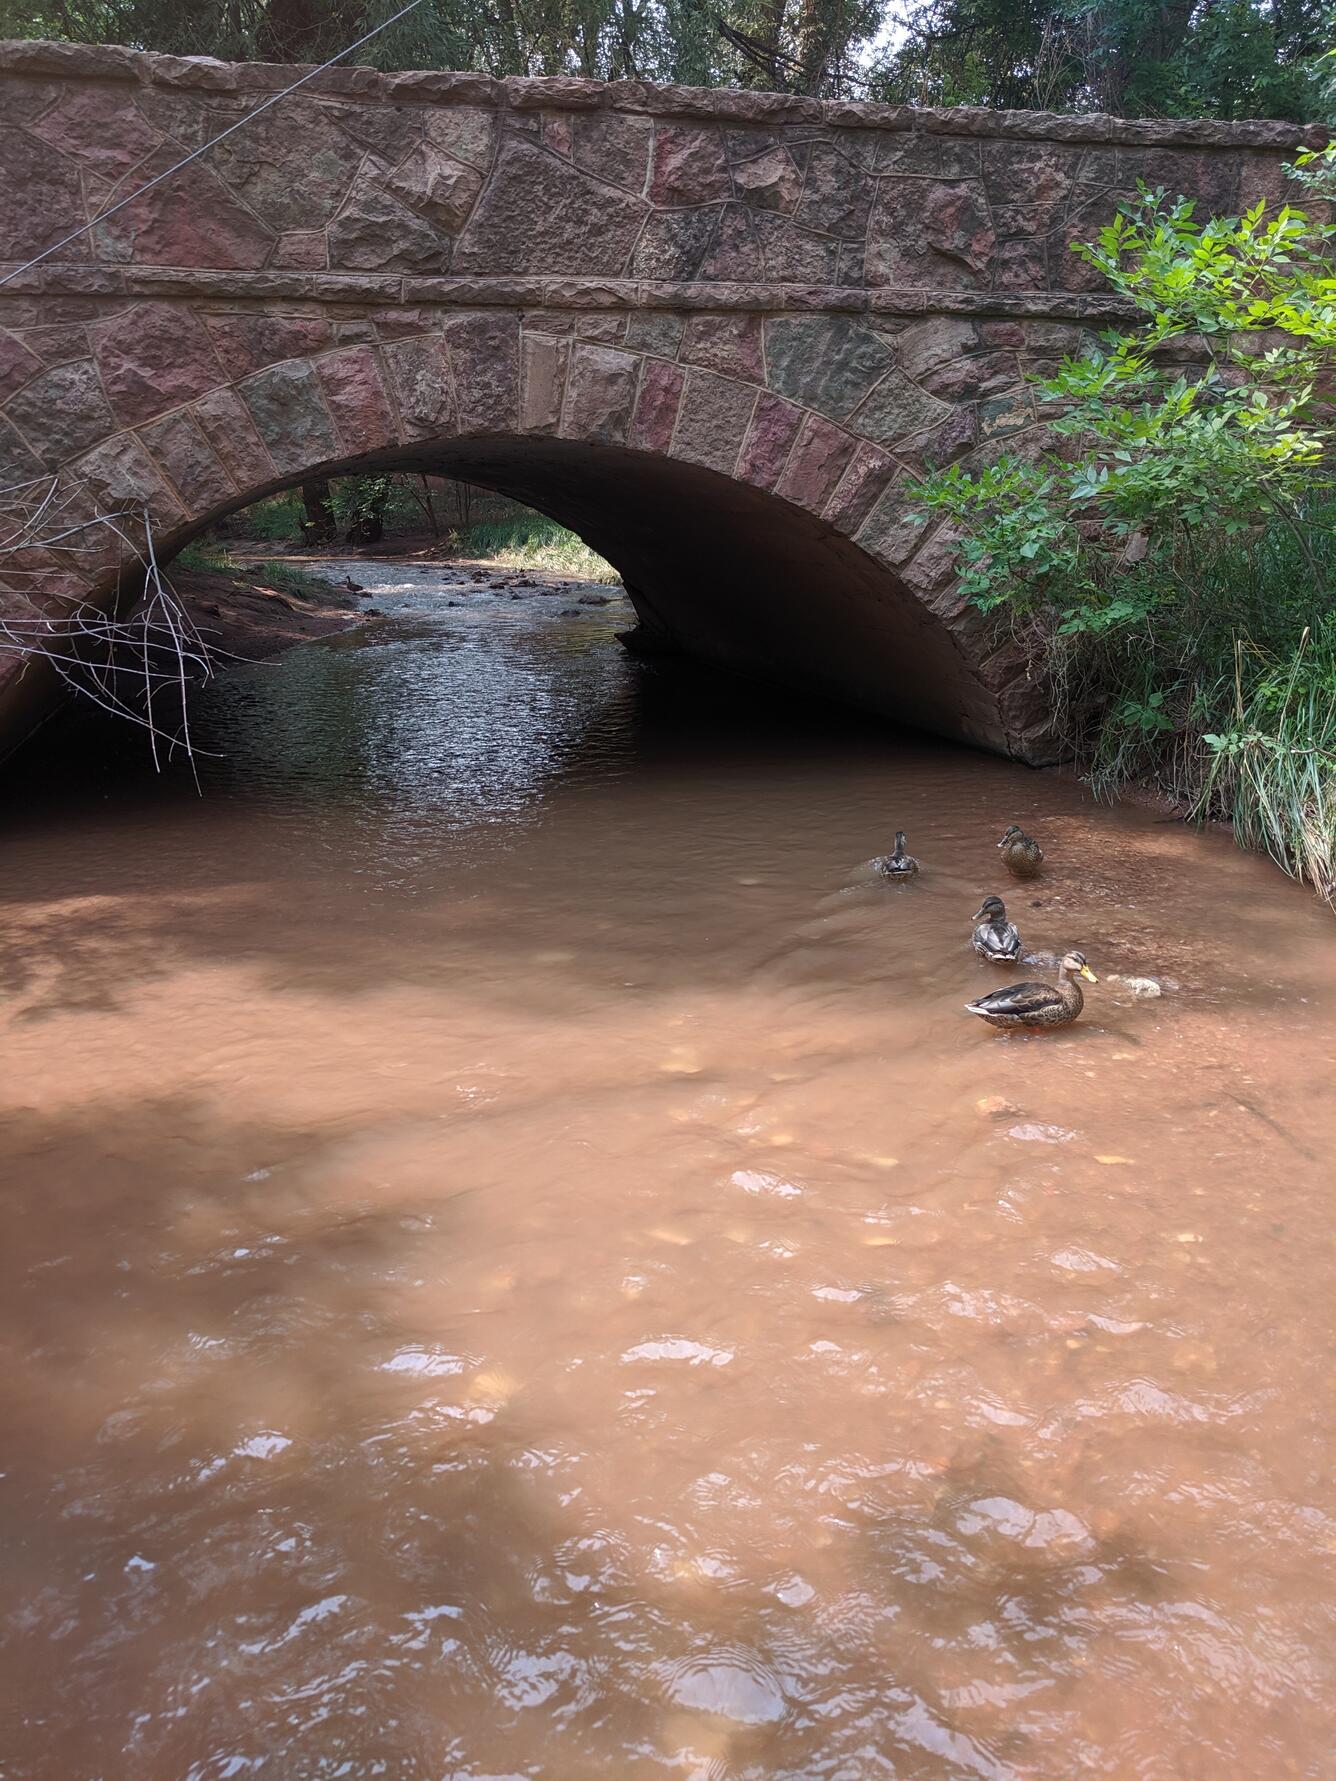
[(1038, 1004), (996, 938), (1021, 855), (898, 864)]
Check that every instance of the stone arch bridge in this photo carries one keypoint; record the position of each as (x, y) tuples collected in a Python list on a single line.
[(717, 333)]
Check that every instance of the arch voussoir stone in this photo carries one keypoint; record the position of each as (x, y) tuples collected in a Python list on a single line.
[(720, 333)]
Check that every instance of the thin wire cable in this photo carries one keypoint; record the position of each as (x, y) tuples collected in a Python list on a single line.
[(204, 148)]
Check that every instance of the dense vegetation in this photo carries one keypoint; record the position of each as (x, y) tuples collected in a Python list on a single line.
[(1229, 58), (1170, 551)]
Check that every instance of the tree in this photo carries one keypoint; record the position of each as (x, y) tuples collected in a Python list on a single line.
[(1134, 58)]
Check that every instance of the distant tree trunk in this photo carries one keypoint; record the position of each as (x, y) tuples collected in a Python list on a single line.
[(320, 524)]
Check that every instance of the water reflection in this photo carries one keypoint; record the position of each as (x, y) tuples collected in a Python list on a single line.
[(514, 1261)]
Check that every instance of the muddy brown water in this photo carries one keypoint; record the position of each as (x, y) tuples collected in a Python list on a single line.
[(514, 1262)]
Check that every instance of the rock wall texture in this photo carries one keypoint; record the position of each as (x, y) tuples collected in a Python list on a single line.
[(719, 331)]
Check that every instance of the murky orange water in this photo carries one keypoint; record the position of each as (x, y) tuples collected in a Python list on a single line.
[(504, 1271)]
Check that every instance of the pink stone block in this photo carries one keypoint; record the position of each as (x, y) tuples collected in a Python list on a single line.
[(656, 406), (355, 396), (769, 440), (817, 463)]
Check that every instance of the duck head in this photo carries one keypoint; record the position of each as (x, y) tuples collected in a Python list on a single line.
[(1075, 963), (993, 910)]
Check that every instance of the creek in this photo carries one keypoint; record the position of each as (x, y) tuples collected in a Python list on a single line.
[(515, 1262)]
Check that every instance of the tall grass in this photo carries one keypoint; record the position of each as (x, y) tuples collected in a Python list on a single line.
[(529, 541), (1221, 692)]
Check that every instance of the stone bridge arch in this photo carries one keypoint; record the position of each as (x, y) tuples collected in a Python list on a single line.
[(718, 333)]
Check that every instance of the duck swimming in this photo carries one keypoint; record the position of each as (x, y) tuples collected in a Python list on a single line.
[(996, 938), (898, 864), (1038, 1004), (1021, 855)]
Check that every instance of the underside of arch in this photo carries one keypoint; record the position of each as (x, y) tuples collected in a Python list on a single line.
[(725, 572)]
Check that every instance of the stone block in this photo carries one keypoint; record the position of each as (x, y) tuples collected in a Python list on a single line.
[(824, 362), (866, 476), (189, 464), (765, 451), (727, 343), (542, 382), (389, 131), (600, 395), (539, 214), (614, 147), (837, 194), (100, 128), (290, 415), (796, 256), (302, 249), (17, 364), (154, 357), (930, 235), (1029, 172), (120, 475), (557, 133), (770, 181), (673, 244), (815, 464), (923, 346), (225, 422), (712, 420), (437, 186), (249, 340), (355, 395), (191, 220), (657, 404), (484, 349), (292, 166), (655, 331), (967, 379), (41, 199), (893, 531), (688, 166), (62, 412), (466, 134), (734, 254), (375, 232), (18, 462)]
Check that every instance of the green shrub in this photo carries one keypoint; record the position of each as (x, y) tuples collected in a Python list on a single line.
[(1169, 551)]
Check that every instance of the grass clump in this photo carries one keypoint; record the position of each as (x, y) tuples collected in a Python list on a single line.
[(529, 541), (1168, 552), (212, 558)]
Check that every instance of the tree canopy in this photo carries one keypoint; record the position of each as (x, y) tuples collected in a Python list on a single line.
[(1137, 58)]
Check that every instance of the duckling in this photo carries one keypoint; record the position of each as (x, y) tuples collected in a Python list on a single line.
[(995, 938), (1021, 855), (1038, 1004), (898, 864)]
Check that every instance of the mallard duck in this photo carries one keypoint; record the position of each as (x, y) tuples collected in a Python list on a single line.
[(1021, 855), (996, 938), (898, 864), (1038, 1004)]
